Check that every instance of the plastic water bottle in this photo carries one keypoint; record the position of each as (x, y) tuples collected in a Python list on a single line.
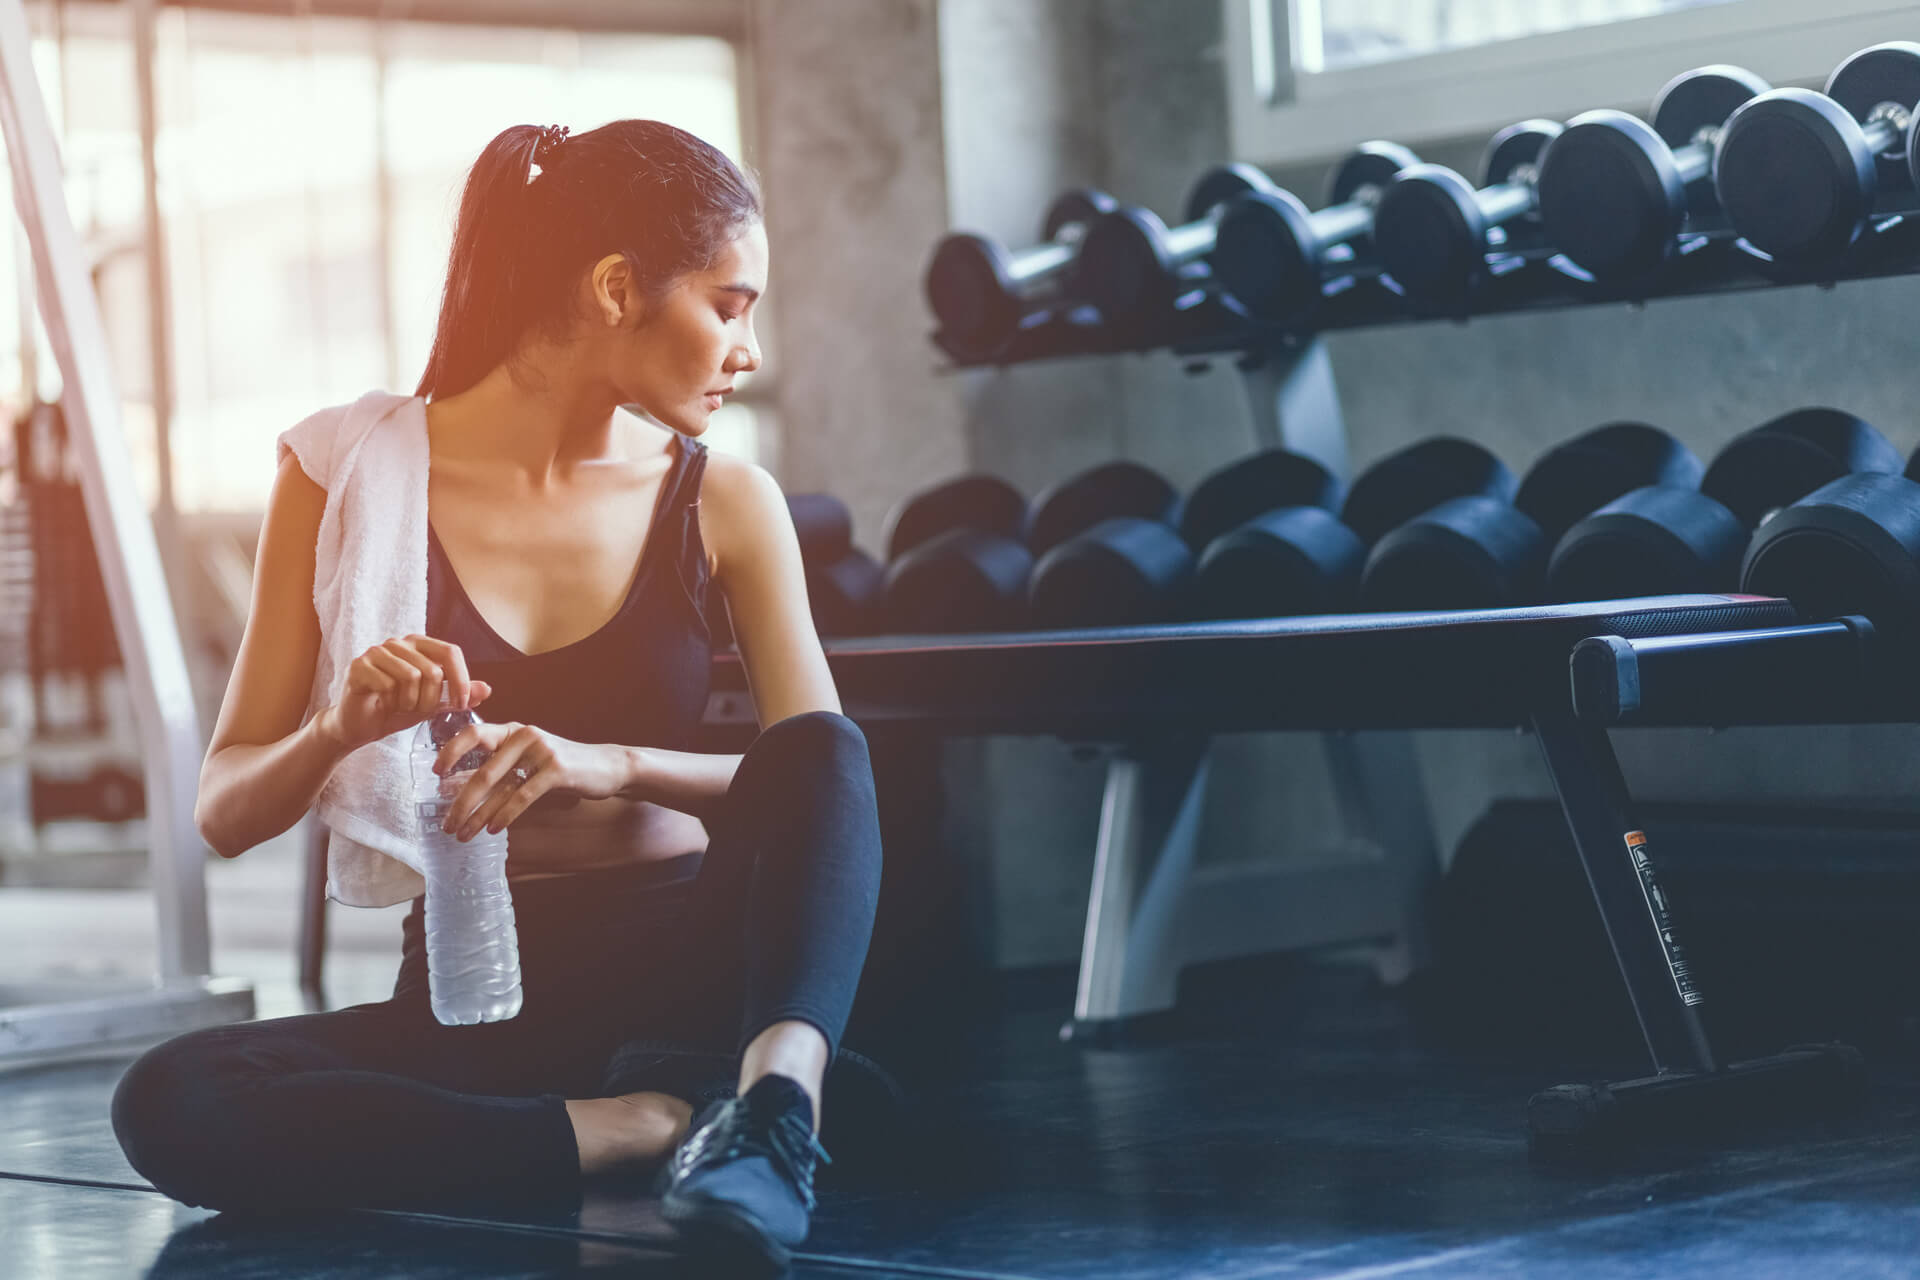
[(473, 952)]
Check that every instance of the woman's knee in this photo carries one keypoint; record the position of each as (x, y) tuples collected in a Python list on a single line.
[(164, 1112), (826, 729), (805, 769), (813, 741)]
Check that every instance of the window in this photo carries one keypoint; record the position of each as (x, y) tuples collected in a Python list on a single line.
[(291, 289), (1308, 79), (1347, 33)]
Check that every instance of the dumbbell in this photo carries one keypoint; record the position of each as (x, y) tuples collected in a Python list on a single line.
[(1616, 193), (980, 292), (843, 582), (1093, 550), (1799, 172), (1293, 555), (957, 559), (1432, 232), (1106, 551), (1483, 551), (1465, 549), (977, 501), (1269, 252), (1132, 265), (1852, 546), (1686, 534), (1109, 491), (1268, 539)]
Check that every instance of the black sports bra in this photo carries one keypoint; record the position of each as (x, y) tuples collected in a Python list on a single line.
[(642, 678)]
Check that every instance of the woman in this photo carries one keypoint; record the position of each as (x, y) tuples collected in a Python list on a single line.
[(619, 267)]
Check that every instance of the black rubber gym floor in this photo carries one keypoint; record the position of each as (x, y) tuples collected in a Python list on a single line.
[(1293, 1124)]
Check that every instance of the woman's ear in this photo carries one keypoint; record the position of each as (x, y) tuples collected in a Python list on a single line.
[(615, 299)]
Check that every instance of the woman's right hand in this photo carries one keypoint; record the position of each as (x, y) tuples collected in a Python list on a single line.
[(396, 684)]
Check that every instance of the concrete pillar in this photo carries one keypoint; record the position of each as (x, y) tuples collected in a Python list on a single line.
[(850, 155)]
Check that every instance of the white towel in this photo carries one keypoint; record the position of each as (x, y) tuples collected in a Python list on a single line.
[(369, 585)]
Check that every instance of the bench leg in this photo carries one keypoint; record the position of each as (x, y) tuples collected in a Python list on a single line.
[(1149, 826), (1690, 1094), (1383, 807), (1151, 911)]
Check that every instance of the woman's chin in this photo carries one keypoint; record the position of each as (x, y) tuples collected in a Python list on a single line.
[(686, 422)]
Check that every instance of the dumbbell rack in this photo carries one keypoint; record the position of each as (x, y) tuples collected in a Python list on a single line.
[(1147, 900), (1205, 322)]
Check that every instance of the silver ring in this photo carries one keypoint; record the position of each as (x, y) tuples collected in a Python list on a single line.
[(520, 773)]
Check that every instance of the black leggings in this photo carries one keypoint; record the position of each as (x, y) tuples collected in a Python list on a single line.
[(382, 1106)]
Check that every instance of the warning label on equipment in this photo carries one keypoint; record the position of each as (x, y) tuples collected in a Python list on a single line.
[(1662, 921)]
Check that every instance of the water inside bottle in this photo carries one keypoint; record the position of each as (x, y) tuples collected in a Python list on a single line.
[(472, 949)]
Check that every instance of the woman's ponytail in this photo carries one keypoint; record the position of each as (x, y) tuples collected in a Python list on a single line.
[(482, 310)]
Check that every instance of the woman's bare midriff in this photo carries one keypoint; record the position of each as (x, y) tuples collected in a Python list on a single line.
[(598, 833)]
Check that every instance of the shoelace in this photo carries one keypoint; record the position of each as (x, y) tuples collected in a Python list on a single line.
[(789, 1144)]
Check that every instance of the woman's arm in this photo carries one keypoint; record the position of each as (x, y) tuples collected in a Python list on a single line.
[(690, 781), (746, 526), (263, 767)]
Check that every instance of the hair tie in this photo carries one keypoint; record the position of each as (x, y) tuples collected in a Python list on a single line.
[(545, 150)]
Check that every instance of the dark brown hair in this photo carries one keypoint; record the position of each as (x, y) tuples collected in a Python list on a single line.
[(657, 195)]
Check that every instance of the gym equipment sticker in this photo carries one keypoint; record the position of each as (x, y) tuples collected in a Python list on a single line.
[(1662, 922)]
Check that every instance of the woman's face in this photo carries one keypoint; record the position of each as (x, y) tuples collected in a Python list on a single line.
[(682, 358)]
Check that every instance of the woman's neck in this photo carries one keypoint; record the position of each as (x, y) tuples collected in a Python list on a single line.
[(541, 435)]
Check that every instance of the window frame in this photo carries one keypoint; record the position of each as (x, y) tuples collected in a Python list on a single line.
[(1307, 116)]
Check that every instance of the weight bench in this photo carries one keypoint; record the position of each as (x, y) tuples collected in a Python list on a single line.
[(1155, 695)]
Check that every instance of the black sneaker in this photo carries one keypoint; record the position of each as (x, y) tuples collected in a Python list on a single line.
[(742, 1182), (866, 1109)]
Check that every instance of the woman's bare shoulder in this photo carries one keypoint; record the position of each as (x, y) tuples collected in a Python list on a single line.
[(740, 507)]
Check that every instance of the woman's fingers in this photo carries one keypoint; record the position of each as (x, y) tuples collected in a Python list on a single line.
[(452, 749), (399, 682), (471, 736), (493, 784), (402, 679), (513, 803), (481, 794), (427, 692), (459, 683), (365, 676), (469, 826)]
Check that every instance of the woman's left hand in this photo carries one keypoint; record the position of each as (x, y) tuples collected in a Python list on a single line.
[(494, 796)]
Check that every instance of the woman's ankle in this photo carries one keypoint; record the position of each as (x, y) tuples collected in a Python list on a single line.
[(792, 1049), (633, 1130)]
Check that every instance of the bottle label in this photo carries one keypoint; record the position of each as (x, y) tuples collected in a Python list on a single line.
[(434, 807)]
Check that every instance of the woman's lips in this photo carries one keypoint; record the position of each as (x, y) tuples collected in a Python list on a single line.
[(714, 400)]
